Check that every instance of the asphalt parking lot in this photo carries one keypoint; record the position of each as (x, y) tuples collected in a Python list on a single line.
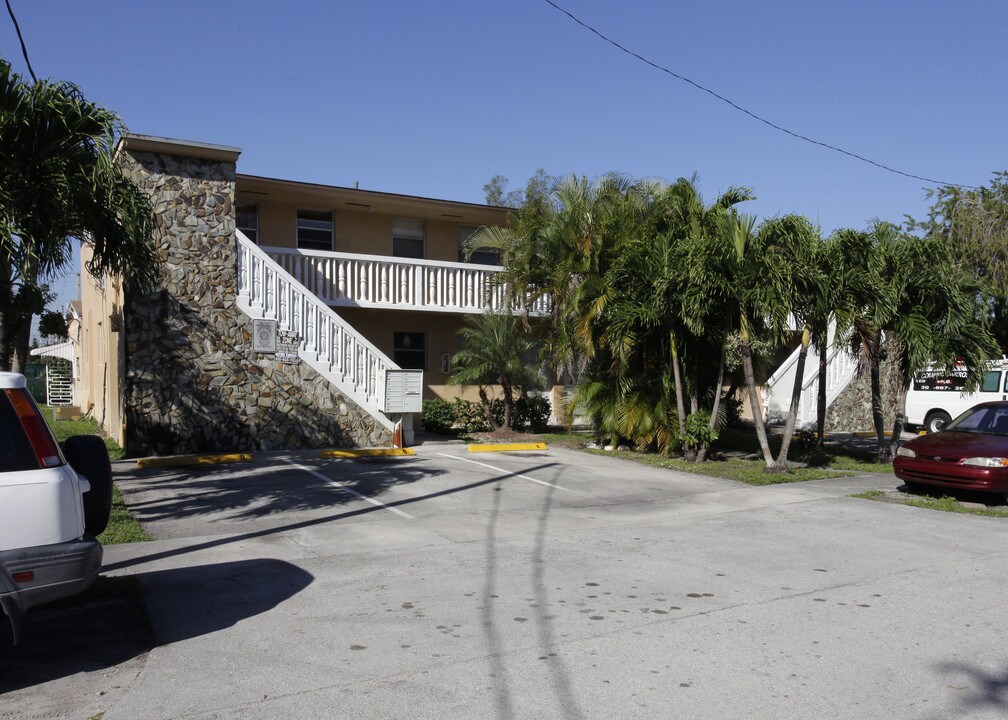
[(551, 584)]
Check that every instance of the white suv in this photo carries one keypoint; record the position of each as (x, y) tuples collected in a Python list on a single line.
[(53, 502)]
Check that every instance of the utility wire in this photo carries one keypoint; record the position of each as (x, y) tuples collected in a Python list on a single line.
[(751, 114), (24, 50)]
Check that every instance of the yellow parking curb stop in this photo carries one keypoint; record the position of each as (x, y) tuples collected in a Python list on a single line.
[(367, 452), (190, 460), (507, 447)]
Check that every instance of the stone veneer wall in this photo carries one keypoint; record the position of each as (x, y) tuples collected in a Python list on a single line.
[(192, 382), (851, 411)]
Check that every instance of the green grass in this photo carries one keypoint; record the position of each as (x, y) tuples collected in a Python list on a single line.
[(63, 429), (946, 503), (122, 527), (749, 472)]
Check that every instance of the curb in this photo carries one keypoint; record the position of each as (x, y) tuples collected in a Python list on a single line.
[(506, 447), (366, 453), (192, 460)]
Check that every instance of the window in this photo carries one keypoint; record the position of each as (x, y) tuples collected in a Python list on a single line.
[(248, 220), (409, 350), (408, 238), (991, 381), (479, 257), (314, 229)]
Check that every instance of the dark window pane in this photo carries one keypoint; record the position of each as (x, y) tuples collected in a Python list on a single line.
[(992, 381), (485, 257), (247, 217), (410, 350), (407, 247), (314, 229)]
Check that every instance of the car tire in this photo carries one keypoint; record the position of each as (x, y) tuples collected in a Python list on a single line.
[(89, 457), (936, 421)]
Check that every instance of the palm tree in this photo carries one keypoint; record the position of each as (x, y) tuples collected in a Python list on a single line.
[(59, 179), (494, 346), (759, 274), (936, 318), (800, 242)]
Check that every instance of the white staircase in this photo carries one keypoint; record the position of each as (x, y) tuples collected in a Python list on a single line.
[(327, 343), (841, 368)]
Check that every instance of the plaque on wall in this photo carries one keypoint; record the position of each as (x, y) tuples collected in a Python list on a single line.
[(264, 336), (287, 347)]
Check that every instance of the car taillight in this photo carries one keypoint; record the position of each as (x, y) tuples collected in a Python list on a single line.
[(41, 439)]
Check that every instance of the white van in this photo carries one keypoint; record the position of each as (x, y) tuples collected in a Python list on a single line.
[(936, 397)]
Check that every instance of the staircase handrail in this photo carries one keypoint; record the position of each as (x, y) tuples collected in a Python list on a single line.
[(309, 316)]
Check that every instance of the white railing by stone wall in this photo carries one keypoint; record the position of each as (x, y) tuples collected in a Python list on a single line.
[(841, 367), (374, 281), (327, 342)]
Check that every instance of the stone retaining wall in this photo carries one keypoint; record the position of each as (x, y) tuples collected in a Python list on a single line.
[(192, 381)]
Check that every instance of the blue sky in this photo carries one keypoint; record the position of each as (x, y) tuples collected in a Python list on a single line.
[(433, 99)]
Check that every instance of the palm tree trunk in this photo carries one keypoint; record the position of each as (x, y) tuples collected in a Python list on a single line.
[(821, 348), (677, 375), (6, 317), (757, 411), (487, 410), (876, 405), (506, 389), (22, 340), (792, 416), (702, 450), (900, 420)]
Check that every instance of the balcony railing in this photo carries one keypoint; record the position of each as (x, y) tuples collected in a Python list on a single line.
[(374, 281)]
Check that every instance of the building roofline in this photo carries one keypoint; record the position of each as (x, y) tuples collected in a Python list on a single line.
[(377, 194), (185, 148)]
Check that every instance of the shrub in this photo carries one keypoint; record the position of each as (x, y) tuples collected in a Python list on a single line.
[(698, 430), (438, 416), (533, 413), (530, 413), (469, 416)]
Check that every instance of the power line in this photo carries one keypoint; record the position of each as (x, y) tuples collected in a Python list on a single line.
[(751, 114), (24, 50)]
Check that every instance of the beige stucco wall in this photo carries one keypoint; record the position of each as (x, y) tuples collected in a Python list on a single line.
[(354, 231), (100, 348)]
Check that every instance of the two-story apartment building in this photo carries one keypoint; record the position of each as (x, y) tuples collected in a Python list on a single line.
[(285, 310)]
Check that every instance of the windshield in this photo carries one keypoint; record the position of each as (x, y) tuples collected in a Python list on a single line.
[(984, 419)]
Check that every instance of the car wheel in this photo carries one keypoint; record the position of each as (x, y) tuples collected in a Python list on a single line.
[(89, 457), (936, 421)]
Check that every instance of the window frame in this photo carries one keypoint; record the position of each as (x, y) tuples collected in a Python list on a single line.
[(398, 336), (477, 258), (254, 236), (310, 229), (399, 236)]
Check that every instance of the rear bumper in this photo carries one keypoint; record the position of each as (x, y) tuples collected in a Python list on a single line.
[(951, 475), (60, 570)]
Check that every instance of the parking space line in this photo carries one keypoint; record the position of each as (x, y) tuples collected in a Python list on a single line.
[(508, 472), (344, 488)]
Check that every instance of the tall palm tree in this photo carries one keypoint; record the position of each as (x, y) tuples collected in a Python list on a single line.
[(759, 272), (799, 242), (936, 317), (59, 179)]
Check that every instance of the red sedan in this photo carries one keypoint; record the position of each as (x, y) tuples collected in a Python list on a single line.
[(971, 453)]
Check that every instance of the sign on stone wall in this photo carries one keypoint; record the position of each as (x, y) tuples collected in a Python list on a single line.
[(287, 347), (264, 336)]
